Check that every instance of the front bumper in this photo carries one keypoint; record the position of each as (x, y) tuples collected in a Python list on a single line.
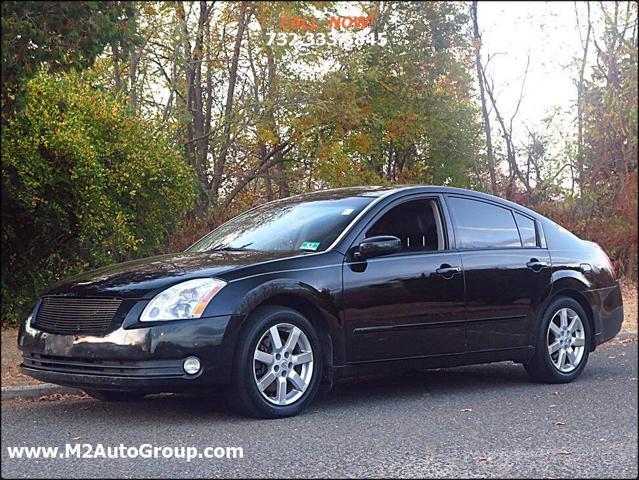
[(143, 359)]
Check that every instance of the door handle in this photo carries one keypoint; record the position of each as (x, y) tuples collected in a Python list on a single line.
[(536, 265), (447, 271)]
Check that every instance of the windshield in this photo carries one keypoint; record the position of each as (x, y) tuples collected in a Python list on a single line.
[(310, 226)]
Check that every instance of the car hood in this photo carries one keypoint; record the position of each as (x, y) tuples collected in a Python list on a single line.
[(139, 278)]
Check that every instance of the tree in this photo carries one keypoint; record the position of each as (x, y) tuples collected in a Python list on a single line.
[(84, 183), (610, 101), (580, 94), (604, 209), (484, 104), (254, 122), (402, 112), (220, 162), (507, 132), (58, 35)]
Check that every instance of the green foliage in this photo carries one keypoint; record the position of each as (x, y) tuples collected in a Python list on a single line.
[(403, 112), (605, 209), (84, 183), (614, 227), (61, 35)]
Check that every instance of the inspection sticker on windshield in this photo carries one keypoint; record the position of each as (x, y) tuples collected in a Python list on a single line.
[(309, 245), (347, 211)]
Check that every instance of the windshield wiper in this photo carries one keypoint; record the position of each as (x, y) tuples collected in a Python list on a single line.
[(228, 248)]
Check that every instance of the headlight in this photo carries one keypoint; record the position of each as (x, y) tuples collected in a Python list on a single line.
[(27, 324), (184, 300)]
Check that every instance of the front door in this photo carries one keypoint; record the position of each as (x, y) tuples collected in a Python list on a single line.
[(410, 303)]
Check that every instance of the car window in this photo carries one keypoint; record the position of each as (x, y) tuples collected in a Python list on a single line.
[(289, 225), (526, 230), (482, 225), (416, 223)]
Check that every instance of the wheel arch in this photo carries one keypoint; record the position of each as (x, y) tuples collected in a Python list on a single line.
[(314, 305), (312, 312), (573, 288)]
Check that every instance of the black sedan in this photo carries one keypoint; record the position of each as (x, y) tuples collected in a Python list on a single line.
[(295, 293)]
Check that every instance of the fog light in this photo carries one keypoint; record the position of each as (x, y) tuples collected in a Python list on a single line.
[(191, 365)]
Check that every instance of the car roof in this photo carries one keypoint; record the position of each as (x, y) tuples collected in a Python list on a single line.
[(377, 191)]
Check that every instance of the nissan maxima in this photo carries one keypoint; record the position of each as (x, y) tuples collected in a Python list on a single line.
[(283, 299)]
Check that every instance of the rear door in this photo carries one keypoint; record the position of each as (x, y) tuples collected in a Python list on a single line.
[(506, 270)]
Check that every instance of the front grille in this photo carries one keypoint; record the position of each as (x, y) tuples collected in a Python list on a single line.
[(76, 316), (117, 368)]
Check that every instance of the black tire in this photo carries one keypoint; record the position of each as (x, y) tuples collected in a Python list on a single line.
[(114, 395), (244, 395), (541, 367)]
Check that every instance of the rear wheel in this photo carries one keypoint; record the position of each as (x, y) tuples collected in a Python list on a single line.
[(114, 395), (278, 364), (563, 343)]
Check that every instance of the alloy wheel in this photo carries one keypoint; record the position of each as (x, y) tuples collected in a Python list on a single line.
[(283, 364), (566, 340)]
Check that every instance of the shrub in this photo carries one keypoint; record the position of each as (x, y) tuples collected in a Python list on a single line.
[(605, 218), (84, 183)]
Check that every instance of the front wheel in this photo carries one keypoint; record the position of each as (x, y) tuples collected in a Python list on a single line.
[(563, 342), (278, 364)]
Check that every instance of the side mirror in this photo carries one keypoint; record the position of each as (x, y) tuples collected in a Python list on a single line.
[(380, 245)]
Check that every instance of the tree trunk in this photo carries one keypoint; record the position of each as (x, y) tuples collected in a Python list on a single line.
[(196, 141), (133, 73), (218, 169), (580, 100), (116, 68), (267, 119), (204, 147), (197, 105), (282, 182), (189, 147), (482, 93), (511, 153), (275, 156)]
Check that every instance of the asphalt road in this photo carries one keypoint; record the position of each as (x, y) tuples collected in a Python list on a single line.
[(467, 422)]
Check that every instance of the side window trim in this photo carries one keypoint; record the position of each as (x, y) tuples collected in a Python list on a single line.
[(449, 232), (491, 203), (539, 243), (444, 220), (437, 215), (521, 238), (541, 234)]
